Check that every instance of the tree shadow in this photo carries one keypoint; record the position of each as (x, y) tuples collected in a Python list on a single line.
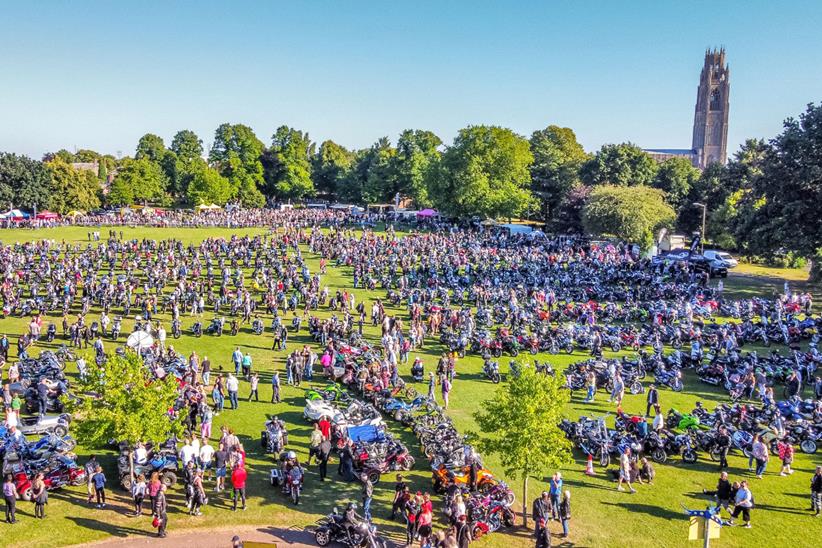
[(650, 509), (110, 528)]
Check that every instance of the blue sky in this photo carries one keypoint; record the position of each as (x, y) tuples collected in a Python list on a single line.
[(100, 74)]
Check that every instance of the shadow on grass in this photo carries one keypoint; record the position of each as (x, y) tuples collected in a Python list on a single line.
[(111, 529), (651, 510)]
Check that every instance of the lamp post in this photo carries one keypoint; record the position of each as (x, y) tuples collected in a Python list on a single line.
[(704, 212)]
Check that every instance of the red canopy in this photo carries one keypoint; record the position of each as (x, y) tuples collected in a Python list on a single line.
[(47, 216)]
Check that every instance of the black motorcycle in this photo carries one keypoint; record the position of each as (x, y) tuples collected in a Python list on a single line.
[(491, 370), (197, 329), (332, 528)]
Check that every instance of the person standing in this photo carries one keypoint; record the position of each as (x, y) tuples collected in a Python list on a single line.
[(138, 493), (91, 468), (723, 442), (275, 387), (247, 365), (786, 456), (159, 509), (743, 503), (220, 467), (652, 399), (237, 358), (555, 491), (543, 535), (314, 444), (99, 480), (206, 370), (541, 510), (446, 390), (255, 381), (816, 491), (324, 454), (625, 471), (367, 496), (590, 385), (238, 478), (760, 453), (565, 512), (463, 532), (39, 495), (233, 386), (10, 498)]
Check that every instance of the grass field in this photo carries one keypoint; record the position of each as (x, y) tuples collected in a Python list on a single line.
[(601, 515)]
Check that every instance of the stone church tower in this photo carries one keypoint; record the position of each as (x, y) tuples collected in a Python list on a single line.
[(710, 140)]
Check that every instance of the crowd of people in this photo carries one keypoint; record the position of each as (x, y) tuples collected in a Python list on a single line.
[(464, 289)]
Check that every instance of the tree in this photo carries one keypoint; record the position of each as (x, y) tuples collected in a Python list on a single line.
[(624, 164), (207, 186), (187, 146), (558, 158), (631, 214), (139, 181), (236, 155), (417, 155), (151, 147), (72, 189), (675, 177), (330, 167), (520, 425), (484, 173), (23, 182), (128, 405), (380, 182), (288, 164), (788, 192)]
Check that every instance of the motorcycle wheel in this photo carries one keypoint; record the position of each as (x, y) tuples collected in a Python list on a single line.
[(659, 455), (808, 446), (322, 537), (495, 379), (461, 353), (604, 459), (689, 456), (177, 335), (774, 445), (677, 386), (374, 476), (411, 393), (509, 498), (615, 348), (60, 430), (168, 478), (534, 351), (508, 519), (569, 349), (408, 464), (295, 496), (497, 352), (125, 481), (714, 454), (514, 352), (637, 388), (26, 495), (477, 532)]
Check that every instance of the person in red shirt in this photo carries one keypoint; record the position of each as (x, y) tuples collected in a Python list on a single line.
[(238, 477), (325, 427)]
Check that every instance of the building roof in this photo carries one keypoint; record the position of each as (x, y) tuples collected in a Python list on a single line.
[(678, 151)]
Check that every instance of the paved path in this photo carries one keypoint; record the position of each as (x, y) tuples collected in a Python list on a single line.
[(217, 538)]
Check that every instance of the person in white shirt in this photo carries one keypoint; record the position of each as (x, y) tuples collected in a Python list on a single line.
[(233, 386), (140, 454), (206, 456), (187, 453)]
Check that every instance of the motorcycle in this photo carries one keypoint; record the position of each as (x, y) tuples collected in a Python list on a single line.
[(197, 329), (491, 371), (332, 528)]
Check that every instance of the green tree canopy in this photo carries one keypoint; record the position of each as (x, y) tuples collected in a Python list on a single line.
[(558, 158), (330, 167), (624, 164), (129, 404), (236, 155), (631, 214), (787, 194), (187, 146), (287, 165), (206, 186), (520, 425), (72, 189), (139, 181), (380, 182), (151, 147), (484, 173), (23, 182), (417, 155), (675, 177)]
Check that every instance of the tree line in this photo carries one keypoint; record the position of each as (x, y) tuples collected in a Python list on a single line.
[(762, 202)]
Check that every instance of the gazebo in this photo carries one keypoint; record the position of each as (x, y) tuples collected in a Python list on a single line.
[(47, 216), (427, 213)]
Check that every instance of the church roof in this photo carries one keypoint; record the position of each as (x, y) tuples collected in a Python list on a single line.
[(678, 151)]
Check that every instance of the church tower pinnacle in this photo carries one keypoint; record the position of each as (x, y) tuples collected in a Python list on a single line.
[(710, 140)]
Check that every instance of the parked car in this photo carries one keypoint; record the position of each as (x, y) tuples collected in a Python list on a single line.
[(721, 257)]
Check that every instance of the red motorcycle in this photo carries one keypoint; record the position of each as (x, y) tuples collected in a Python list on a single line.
[(396, 458)]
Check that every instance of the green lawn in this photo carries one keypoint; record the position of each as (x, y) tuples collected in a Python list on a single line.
[(601, 515)]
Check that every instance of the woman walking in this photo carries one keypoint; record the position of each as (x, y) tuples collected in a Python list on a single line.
[(565, 512), (218, 395), (39, 495), (199, 496)]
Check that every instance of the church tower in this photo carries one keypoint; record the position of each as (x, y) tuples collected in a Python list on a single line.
[(710, 140)]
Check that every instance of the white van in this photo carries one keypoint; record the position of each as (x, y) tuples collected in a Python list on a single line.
[(721, 256)]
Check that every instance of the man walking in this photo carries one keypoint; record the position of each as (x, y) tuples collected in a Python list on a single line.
[(233, 386), (275, 387), (652, 399)]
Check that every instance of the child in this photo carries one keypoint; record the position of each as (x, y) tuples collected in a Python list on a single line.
[(786, 456)]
